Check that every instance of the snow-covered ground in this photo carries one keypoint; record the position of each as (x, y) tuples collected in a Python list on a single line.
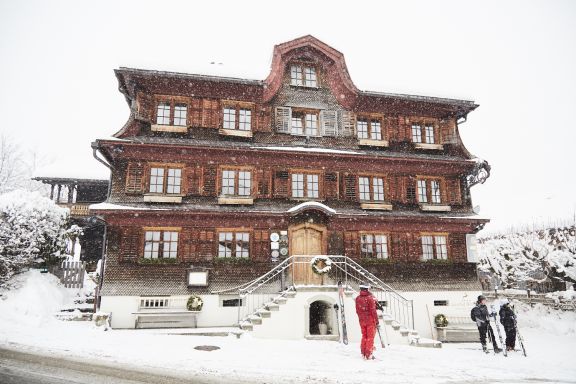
[(27, 323)]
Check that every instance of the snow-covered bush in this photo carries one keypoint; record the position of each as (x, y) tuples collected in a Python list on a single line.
[(535, 256), (32, 229)]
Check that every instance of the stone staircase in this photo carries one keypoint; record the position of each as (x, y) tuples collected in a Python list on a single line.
[(275, 316)]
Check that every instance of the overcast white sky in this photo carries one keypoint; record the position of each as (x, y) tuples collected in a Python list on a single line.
[(517, 59)]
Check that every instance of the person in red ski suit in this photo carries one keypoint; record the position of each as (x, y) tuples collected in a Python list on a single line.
[(366, 311)]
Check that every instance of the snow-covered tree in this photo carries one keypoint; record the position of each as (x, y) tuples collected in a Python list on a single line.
[(32, 229), (533, 256)]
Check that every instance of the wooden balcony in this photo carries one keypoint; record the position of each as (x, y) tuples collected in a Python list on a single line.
[(77, 209)]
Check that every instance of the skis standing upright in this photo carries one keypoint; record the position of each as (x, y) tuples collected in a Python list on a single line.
[(342, 314), (336, 307), (493, 314), (518, 335)]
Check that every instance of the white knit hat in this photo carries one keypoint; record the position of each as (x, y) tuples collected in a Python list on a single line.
[(364, 286)]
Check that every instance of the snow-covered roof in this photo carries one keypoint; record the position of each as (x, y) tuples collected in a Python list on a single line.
[(311, 204), (307, 149), (115, 207)]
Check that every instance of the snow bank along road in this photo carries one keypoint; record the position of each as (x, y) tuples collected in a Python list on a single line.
[(19, 367)]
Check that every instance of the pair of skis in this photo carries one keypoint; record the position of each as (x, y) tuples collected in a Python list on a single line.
[(518, 336), (342, 313), (343, 317)]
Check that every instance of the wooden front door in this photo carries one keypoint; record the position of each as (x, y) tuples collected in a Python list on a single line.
[(306, 240)]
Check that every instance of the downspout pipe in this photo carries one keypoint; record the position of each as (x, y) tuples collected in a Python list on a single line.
[(105, 236)]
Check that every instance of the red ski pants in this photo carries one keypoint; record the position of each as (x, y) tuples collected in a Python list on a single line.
[(368, 333)]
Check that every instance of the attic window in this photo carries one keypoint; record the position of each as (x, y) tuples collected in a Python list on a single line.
[(303, 76)]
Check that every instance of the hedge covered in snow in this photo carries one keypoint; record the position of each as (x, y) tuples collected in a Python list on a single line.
[(534, 256), (32, 229)]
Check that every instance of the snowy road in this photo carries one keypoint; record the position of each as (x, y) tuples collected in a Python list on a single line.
[(20, 367)]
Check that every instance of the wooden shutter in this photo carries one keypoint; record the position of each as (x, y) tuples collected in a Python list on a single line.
[(454, 191), (205, 250), (144, 107), (135, 178), (185, 245), (260, 246), (331, 185), (349, 187), (210, 174), (281, 183), (263, 180), (210, 113), (410, 190), (130, 244), (329, 121), (351, 245), (283, 119), (193, 180), (196, 112), (347, 123)]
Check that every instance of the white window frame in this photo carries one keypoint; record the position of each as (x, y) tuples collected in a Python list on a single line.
[(165, 180), (434, 247), (303, 75), (374, 245), (236, 240), (162, 108), (160, 244), (236, 182), (180, 114)]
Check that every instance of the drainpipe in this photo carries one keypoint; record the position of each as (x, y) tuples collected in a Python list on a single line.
[(105, 237)]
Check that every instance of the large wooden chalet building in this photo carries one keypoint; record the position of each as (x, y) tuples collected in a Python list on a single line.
[(219, 181)]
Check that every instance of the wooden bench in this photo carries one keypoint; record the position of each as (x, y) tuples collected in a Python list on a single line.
[(166, 319), (460, 329)]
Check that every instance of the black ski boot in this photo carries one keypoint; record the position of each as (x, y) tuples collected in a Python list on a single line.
[(497, 350), (485, 349)]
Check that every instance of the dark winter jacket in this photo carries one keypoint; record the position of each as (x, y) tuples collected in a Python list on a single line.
[(366, 308), (507, 317), (479, 312)]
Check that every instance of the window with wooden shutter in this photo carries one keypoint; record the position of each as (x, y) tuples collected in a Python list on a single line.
[(210, 113), (283, 119), (134, 178), (329, 121), (347, 122)]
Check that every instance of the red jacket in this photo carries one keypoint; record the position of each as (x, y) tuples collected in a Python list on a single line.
[(366, 308)]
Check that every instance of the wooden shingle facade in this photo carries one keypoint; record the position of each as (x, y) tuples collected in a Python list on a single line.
[(207, 169)]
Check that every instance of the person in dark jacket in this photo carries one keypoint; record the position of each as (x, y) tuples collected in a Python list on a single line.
[(366, 311), (480, 315), (508, 320)]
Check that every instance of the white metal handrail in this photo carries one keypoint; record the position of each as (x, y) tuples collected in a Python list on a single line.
[(260, 292)]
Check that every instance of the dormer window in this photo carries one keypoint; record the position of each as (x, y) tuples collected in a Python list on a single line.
[(163, 114), (171, 116), (302, 75)]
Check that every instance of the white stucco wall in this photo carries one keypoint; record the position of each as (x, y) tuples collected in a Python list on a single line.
[(291, 321), (459, 303)]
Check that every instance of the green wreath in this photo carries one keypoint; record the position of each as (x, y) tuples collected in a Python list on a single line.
[(194, 303), (440, 320), (321, 264)]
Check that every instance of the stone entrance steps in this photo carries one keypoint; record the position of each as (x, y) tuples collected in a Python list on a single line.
[(392, 331)]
